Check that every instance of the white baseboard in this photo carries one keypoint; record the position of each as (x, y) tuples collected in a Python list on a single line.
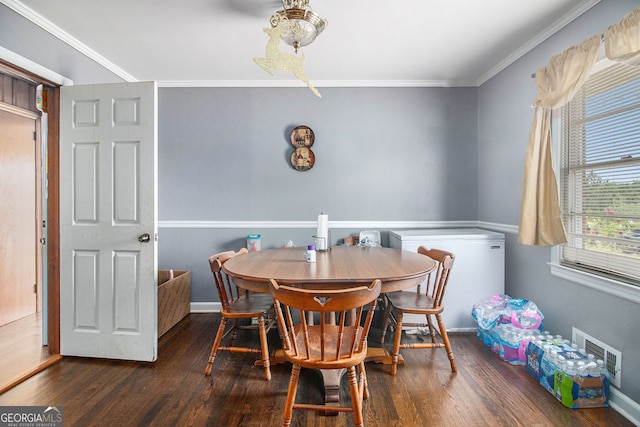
[(205, 307), (624, 405)]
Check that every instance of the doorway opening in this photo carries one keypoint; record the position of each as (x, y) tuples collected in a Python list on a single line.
[(23, 227)]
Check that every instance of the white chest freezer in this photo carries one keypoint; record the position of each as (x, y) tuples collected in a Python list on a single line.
[(477, 274)]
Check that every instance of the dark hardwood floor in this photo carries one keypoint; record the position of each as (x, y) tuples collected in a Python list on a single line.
[(174, 391)]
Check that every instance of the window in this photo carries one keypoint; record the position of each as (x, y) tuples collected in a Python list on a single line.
[(600, 175)]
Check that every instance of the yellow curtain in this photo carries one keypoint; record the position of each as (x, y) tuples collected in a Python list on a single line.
[(622, 41), (540, 219)]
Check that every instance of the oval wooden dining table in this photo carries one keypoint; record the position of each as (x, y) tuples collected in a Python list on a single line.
[(338, 267)]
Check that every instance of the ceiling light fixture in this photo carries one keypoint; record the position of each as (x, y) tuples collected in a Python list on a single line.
[(301, 23)]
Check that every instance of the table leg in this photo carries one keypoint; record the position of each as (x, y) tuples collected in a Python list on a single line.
[(381, 355), (331, 380), (277, 357)]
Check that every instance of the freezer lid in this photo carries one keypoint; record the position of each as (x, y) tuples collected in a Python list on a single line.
[(445, 233)]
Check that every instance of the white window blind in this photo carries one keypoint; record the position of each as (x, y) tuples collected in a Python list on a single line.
[(600, 175)]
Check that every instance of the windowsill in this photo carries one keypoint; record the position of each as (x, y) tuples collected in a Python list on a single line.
[(608, 286)]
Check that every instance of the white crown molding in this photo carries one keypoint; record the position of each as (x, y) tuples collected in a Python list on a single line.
[(548, 32), (394, 83), (316, 83), (58, 32), (30, 66)]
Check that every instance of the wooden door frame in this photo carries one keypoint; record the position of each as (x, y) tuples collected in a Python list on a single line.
[(53, 219), (53, 200)]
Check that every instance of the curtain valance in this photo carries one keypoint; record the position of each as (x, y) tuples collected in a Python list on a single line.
[(557, 82)]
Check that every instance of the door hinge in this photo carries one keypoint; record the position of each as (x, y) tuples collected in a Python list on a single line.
[(35, 288), (35, 135)]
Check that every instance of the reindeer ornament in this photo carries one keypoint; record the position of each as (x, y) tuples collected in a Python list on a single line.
[(278, 60)]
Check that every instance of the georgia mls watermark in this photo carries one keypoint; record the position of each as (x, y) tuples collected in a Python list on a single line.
[(31, 416)]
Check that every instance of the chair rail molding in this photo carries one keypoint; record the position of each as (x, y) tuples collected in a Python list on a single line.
[(173, 224)]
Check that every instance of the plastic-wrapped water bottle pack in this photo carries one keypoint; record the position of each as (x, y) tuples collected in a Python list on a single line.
[(506, 325)]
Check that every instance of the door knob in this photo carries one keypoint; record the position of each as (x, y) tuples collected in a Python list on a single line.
[(144, 238)]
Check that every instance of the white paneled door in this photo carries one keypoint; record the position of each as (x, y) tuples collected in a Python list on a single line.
[(108, 224)]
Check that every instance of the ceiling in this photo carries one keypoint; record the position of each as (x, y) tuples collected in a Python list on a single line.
[(367, 42)]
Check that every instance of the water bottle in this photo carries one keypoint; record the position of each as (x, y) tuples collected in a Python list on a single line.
[(522, 348), (547, 365), (503, 342), (495, 338), (486, 337), (591, 369), (512, 347), (557, 340), (310, 254), (570, 370), (561, 363)]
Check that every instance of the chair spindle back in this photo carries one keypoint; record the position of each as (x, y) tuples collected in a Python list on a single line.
[(342, 331), (436, 281), (227, 290)]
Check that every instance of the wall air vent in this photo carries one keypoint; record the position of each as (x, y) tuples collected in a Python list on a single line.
[(612, 357)]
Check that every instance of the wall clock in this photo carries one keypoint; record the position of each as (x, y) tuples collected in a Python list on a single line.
[(302, 158)]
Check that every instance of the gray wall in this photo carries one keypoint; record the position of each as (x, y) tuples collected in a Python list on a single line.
[(504, 123), (381, 154)]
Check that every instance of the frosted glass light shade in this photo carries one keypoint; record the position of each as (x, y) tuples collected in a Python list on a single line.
[(302, 25)]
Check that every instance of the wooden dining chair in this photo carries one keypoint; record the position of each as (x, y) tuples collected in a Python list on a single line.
[(337, 341), (427, 301), (237, 305)]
